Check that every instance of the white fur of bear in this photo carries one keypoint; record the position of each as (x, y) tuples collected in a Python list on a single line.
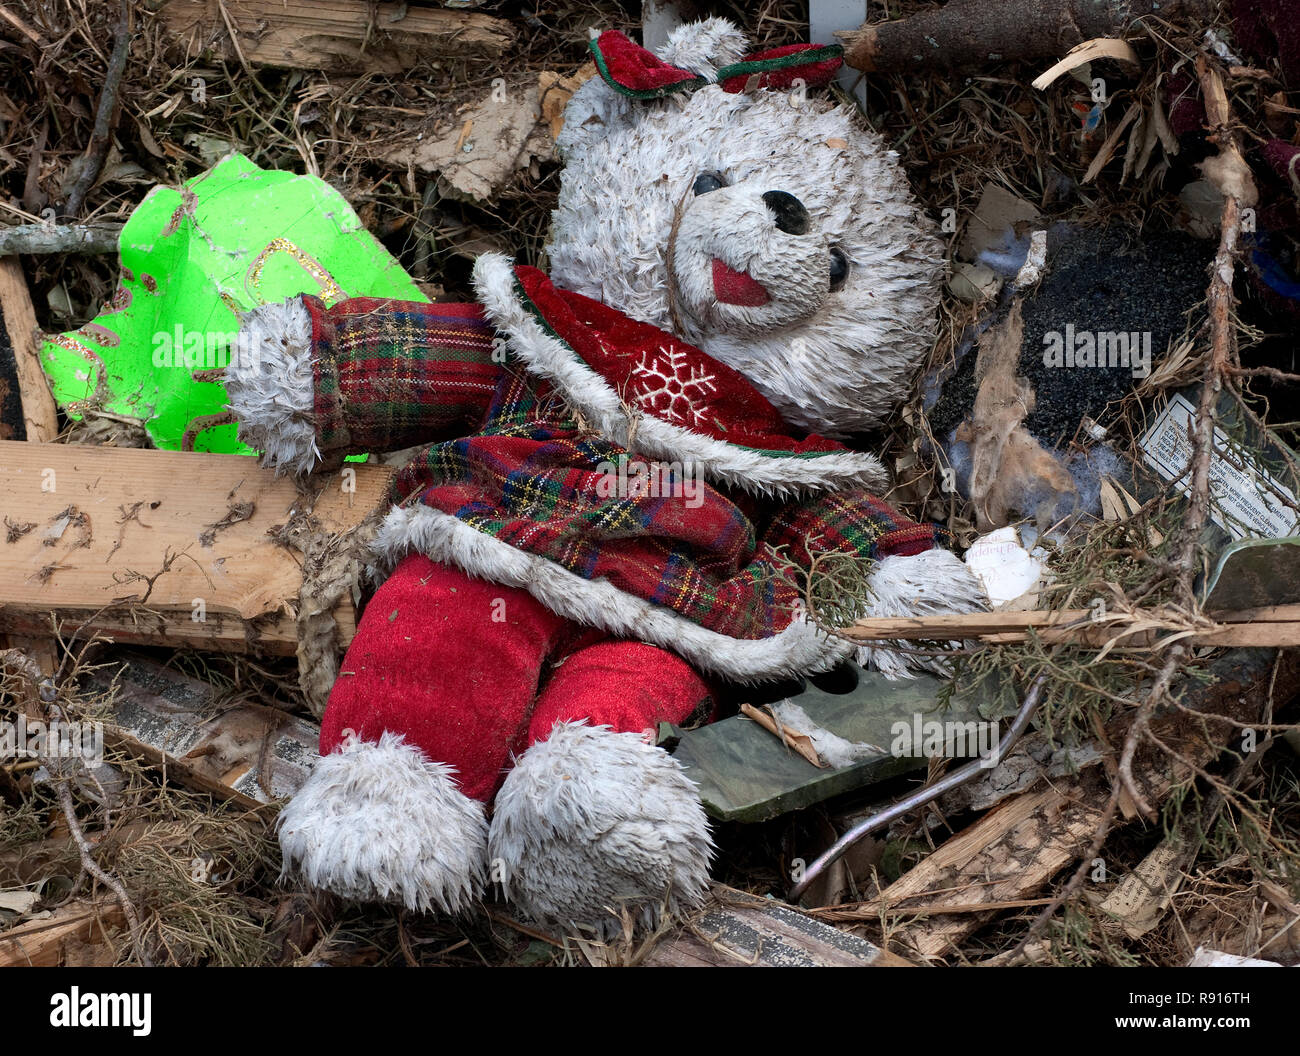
[(832, 361)]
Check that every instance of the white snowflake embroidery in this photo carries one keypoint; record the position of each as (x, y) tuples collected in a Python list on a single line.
[(671, 386)]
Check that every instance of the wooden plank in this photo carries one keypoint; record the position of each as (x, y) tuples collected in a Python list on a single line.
[(1274, 626), (241, 750), (736, 929), (163, 547), (47, 943), (40, 419), (336, 35)]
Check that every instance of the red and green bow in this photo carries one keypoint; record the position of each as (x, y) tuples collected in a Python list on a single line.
[(631, 70)]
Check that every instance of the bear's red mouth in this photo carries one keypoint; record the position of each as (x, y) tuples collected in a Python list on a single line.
[(735, 287)]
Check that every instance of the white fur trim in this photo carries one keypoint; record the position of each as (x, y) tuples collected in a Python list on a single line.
[(269, 385), (592, 823), (926, 584), (800, 649), (379, 822), (599, 402)]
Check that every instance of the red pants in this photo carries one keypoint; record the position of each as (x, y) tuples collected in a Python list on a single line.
[(472, 673)]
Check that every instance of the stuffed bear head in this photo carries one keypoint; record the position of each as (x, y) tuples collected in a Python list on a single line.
[(764, 224)]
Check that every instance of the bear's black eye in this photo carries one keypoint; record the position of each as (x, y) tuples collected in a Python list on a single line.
[(839, 268), (706, 182)]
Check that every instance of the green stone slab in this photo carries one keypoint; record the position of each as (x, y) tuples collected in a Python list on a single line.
[(1255, 573), (745, 774)]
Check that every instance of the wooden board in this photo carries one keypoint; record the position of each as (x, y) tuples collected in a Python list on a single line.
[(736, 929), (18, 318), (336, 35), (241, 750), (140, 544), (746, 774), (47, 942), (1268, 626)]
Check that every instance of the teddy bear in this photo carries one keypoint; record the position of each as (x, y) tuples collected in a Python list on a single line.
[(629, 465)]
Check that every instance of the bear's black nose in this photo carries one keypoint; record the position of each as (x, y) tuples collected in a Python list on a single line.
[(791, 216)]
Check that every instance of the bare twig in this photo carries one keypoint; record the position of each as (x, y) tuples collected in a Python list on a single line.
[(89, 864), (60, 238), (924, 795), (93, 160)]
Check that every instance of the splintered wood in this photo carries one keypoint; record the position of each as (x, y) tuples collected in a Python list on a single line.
[(162, 547), (734, 930), (1018, 848), (60, 938), (338, 35), (1273, 626)]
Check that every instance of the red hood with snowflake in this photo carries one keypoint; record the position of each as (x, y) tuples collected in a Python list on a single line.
[(629, 378), (662, 375)]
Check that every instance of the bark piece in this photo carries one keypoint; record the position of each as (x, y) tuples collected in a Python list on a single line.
[(973, 34), (59, 238), (40, 420), (513, 125), (337, 35)]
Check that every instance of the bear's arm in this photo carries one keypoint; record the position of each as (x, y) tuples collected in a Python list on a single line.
[(914, 572), (312, 382), (851, 522)]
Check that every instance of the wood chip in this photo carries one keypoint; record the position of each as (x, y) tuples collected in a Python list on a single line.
[(800, 742), (1088, 51)]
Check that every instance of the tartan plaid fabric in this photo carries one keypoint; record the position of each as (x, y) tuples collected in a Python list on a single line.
[(849, 522), (523, 469), (392, 374), (532, 479)]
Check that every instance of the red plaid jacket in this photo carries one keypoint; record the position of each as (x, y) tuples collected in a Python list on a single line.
[(623, 476)]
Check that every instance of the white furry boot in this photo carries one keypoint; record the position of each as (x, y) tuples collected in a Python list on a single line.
[(592, 824), (380, 823)]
